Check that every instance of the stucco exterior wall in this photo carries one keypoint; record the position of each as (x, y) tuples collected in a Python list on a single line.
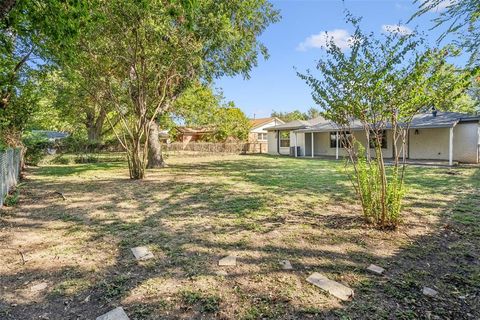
[(322, 144), (429, 143), (300, 142), (465, 142)]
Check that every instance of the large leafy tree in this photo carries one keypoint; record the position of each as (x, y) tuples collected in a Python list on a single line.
[(200, 106), (150, 51), (462, 18), (379, 83), (30, 31), (297, 114)]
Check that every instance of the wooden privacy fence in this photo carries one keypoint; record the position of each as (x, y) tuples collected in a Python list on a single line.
[(9, 171), (216, 147)]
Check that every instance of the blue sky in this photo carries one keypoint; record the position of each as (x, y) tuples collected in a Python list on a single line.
[(293, 42)]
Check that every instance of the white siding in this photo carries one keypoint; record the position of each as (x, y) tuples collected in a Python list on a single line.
[(272, 142)]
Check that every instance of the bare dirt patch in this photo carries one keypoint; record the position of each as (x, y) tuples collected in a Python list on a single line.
[(259, 209)]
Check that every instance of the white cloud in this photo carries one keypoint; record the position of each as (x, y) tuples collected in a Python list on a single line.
[(340, 37), (397, 28)]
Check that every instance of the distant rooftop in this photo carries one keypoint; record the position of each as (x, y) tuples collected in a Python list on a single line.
[(261, 121), (423, 120), (52, 134)]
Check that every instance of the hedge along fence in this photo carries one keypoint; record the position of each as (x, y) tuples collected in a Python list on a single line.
[(216, 147), (10, 162)]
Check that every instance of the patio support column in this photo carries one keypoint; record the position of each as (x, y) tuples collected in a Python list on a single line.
[(296, 145), (450, 148), (336, 145), (312, 146)]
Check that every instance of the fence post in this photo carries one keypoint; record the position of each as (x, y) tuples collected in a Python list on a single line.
[(9, 171)]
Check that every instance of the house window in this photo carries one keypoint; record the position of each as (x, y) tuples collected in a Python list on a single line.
[(261, 136), (373, 140), (284, 139), (343, 137)]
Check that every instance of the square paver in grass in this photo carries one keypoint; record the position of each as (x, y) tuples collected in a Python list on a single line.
[(228, 261), (116, 314), (336, 289), (376, 269), (142, 253), (286, 265)]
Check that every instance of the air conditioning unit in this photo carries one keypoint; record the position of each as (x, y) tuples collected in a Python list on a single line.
[(292, 151)]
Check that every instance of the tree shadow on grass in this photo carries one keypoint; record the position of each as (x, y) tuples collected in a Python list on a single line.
[(187, 253)]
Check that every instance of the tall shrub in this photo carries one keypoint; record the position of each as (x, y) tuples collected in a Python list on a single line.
[(379, 84)]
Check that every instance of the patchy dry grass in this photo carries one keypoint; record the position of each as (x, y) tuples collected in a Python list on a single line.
[(262, 209)]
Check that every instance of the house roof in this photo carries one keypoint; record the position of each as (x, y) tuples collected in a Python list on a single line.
[(51, 134), (198, 130), (423, 120), (298, 124), (261, 121)]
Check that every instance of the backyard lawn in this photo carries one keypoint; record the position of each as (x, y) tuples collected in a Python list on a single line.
[(78, 263)]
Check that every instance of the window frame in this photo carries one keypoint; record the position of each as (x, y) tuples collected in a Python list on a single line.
[(342, 138), (263, 136), (283, 139)]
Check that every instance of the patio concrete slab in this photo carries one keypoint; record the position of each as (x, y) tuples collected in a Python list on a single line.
[(115, 314), (286, 265), (228, 261), (142, 253), (336, 289), (376, 269)]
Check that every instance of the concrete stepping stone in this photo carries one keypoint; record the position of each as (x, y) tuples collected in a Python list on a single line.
[(142, 253), (115, 314), (429, 292), (376, 269), (228, 261), (336, 289), (286, 265), (221, 273), (39, 287)]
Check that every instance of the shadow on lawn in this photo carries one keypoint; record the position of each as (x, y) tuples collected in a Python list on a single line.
[(446, 259)]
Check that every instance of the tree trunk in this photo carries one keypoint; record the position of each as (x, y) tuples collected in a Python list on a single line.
[(95, 124), (155, 158), (5, 7), (136, 164)]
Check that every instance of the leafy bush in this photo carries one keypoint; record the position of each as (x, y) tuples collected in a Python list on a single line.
[(11, 199), (60, 159), (368, 181), (86, 158), (79, 144), (35, 146)]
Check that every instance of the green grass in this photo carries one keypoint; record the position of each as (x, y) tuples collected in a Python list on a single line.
[(260, 208)]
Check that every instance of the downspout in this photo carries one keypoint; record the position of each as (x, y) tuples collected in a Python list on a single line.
[(278, 141)]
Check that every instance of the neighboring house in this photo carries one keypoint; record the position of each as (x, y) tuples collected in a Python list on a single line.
[(258, 132), (257, 137), (187, 134), (52, 136), (163, 136), (432, 136)]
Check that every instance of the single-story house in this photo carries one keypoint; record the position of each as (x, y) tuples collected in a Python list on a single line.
[(188, 134), (447, 136), (257, 131)]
